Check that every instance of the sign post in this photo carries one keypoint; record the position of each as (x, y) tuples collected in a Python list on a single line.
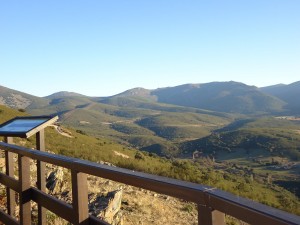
[(25, 127)]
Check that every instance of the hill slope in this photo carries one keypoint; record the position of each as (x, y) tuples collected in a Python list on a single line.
[(287, 93), (19, 100), (144, 128)]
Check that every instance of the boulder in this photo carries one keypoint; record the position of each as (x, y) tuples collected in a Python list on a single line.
[(108, 207), (55, 182)]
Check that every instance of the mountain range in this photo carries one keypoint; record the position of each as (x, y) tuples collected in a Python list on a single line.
[(157, 120), (229, 97), (225, 121)]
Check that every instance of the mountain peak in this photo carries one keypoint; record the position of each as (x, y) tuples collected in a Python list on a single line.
[(63, 94), (138, 92)]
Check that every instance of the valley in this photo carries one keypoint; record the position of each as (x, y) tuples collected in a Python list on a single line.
[(245, 133)]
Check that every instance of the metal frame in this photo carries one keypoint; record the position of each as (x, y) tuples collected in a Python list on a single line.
[(48, 120)]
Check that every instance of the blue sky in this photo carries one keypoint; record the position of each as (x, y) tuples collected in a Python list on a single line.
[(103, 47)]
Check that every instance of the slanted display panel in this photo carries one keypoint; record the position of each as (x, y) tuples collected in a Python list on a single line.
[(25, 126), (22, 125)]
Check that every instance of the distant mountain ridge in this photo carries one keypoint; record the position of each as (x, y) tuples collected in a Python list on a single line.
[(232, 97), (229, 97), (140, 92), (64, 94), (289, 93)]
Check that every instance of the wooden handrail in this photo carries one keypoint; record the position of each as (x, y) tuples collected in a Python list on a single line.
[(212, 203)]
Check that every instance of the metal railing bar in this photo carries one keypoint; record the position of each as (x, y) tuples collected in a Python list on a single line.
[(53, 204), (9, 182), (172, 187), (96, 221), (7, 219), (252, 211)]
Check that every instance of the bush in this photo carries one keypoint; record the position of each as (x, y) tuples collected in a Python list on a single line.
[(139, 156), (81, 132)]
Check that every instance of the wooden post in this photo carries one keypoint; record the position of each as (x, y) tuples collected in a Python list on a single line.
[(9, 165), (41, 179), (80, 197), (24, 179), (208, 216)]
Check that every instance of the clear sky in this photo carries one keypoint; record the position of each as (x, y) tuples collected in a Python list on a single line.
[(103, 47)]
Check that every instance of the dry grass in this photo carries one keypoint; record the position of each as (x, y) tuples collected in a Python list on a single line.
[(144, 207)]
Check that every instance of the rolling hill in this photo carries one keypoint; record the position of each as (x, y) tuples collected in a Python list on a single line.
[(278, 136), (287, 93), (144, 128)]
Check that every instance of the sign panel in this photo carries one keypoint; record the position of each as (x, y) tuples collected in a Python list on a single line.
[(25, 126)]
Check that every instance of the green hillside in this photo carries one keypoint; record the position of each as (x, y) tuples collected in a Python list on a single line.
[(61, 105), (127, 123), (8, 113), (181, 126), (268, 133), (101, 149), (265, 145)]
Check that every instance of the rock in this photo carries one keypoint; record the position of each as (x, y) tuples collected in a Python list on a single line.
[(108, 183), (55, 182), (108, 207)]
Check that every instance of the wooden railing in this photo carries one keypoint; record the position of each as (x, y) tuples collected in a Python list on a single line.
[(212, 203)]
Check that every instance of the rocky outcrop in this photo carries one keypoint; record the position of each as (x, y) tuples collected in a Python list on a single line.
[(55, 182), (107, 207)]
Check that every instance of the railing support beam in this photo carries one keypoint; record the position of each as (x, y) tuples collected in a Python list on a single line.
[(41, 181), (9, 166), (80, 198), (24, 178), (208, 216)]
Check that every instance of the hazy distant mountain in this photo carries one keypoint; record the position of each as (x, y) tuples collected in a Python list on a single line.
[(272, 88), (135, 92), (229, 97), (232, 97), (64, 94), (288, 93), (220, 96), (20, 100)]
